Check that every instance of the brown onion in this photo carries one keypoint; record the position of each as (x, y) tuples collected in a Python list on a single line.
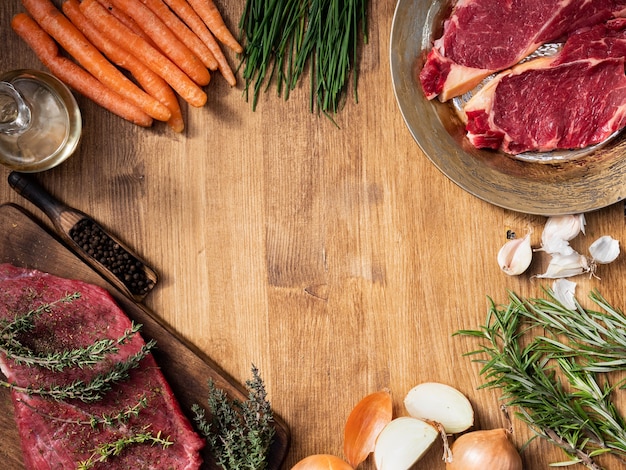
[(366, 421), (322, 462), (482, 450)]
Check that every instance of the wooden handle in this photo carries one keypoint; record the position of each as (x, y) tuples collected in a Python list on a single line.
[(26, 186)]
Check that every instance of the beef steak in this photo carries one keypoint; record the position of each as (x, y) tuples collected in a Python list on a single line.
[(573, 100), (53, 433), (482, 37)]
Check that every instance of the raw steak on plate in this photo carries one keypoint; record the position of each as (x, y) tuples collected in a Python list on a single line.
[(572, 100)]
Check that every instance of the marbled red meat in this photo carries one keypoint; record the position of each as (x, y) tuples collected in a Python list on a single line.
[(485, 36), (51, 437), (573, 100)]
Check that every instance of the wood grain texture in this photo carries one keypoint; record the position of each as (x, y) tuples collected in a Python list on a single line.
[(339, 261)]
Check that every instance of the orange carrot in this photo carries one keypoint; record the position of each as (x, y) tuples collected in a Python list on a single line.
[(191, 18), (182, 31), (167, 41), (76, 44), (151, 57), (72, 74), (126, 20), (149, 80), (213, 19)]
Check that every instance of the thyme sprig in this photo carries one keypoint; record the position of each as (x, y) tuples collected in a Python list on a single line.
[(104, 451), (553, 365), (239, 434), (282, 38)]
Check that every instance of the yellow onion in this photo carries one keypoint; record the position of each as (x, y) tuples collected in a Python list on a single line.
[(322, 462), (482, 450), (364, 424), (403, 442)]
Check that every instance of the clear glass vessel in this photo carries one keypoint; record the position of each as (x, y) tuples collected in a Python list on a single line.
[(40, 122)]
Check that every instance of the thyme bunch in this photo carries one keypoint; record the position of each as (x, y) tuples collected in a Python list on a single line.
[(555, 367), (238, 433), (282, 38)]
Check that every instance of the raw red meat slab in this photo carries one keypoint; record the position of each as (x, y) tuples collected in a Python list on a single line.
[(59, 443), (485, 36), (574, 100)]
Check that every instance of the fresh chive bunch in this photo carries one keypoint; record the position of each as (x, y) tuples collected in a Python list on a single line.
[(557, 367), (282, 38)]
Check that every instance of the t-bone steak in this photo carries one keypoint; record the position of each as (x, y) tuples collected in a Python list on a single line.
[(572, 100), (482, 37), (53, 433)]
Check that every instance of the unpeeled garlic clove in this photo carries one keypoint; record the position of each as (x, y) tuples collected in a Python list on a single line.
[(564, 291), (566, 266), (365, 422), (441, 403), (515, 256), (604, 250), (403, 442), (560, 229)]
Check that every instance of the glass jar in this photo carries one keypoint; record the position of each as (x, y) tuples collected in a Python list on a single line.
[(40, 122)]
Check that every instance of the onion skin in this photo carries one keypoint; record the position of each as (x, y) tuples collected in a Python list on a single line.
[(483, 450), (366, 421), (322, 462)]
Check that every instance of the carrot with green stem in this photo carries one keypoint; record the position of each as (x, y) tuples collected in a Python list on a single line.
[(150, 56), (76, 44), (165, 39), (72, 74), (150, 81), (182, 32), (211, 16), (195, 23)]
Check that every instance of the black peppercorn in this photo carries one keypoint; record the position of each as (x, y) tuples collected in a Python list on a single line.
[(128, 269)]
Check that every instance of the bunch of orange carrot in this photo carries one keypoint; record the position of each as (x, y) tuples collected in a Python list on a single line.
[(168, 47)]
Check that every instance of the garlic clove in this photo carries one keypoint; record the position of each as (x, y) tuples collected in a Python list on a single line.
[(321, 462), (365, 422), (441, 403), (515, 256), (564, 291), (566, 266), (562, 227), (403, 442), (604, 250)]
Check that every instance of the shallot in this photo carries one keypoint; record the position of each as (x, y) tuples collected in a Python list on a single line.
[(482, 450)]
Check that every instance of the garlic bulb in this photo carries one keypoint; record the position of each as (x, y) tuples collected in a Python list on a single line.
[(566, 266), (604, 250), (440, 403), (564, 291), (403, 442), (515, 256), (559, 230)]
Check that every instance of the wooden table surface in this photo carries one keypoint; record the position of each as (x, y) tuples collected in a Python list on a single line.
[(338, 260)]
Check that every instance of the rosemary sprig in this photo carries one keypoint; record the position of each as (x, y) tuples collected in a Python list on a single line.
[(552, 365), (282, 38), (239, 433), (104, 451)]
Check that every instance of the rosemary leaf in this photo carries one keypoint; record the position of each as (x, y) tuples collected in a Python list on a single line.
[(555, 367)]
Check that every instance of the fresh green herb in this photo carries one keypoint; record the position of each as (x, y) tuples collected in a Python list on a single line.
[(554, 366), (281, 38), (103, 452), (239, 434)]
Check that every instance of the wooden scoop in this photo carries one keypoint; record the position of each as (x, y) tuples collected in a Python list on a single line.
[(111, 258)]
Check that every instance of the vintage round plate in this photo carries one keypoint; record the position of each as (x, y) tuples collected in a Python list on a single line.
[(596, 180)]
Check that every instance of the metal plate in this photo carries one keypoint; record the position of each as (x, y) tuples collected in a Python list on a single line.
[(594, 181)]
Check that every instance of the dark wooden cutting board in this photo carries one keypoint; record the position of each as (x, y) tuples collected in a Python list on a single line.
[(24, 242)]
